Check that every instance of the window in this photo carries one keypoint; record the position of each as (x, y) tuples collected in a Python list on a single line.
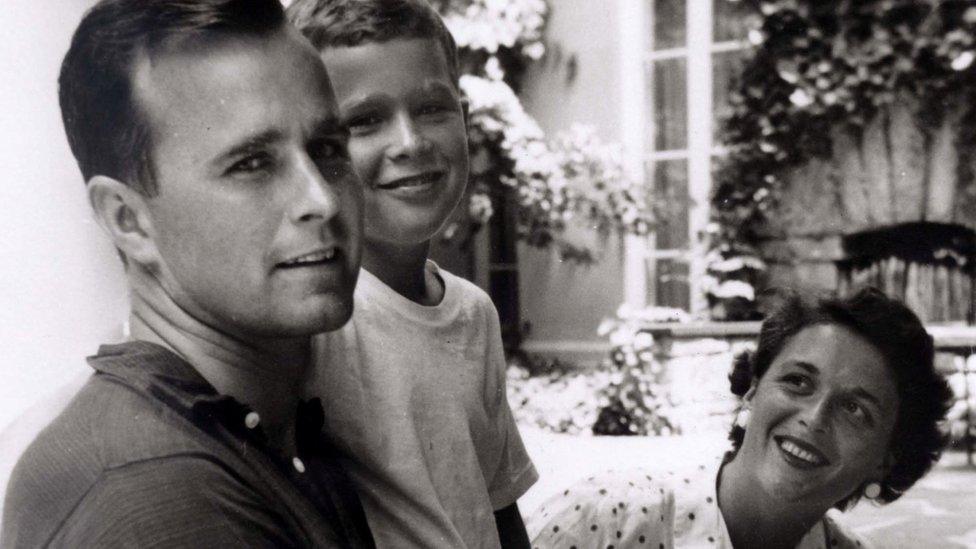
[(692, 55)]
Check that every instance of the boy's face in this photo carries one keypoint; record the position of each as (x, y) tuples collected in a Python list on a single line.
[(258, 218), (408, 140)]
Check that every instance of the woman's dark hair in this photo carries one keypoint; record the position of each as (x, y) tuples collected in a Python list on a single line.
[(893, 329)]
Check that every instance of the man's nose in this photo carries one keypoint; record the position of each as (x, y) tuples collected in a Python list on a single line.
[(315, 194)]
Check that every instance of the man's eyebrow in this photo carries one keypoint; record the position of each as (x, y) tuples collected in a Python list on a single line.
[(250, 143), (864, 394)]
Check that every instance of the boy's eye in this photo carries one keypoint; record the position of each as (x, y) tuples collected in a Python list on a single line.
[(327, 149), (435, 109), (363, 122)]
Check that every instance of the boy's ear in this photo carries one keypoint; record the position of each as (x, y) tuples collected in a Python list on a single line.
[(122, 212)]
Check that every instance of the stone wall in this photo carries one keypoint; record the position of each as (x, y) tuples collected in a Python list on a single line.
[(894, 171)]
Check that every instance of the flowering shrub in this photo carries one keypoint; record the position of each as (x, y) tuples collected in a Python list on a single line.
[(820, 65), (552, 181), (560, 402), (962, 415), (636, 401)]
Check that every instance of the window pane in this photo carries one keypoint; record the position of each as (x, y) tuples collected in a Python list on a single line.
[(673, 289), (669, 84), (733, 19), (670, 202), (669, 24), (726, 67)]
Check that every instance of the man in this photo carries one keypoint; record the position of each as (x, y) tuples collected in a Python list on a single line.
[(207, 133)]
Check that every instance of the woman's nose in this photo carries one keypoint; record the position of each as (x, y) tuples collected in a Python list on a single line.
[(816, 415)]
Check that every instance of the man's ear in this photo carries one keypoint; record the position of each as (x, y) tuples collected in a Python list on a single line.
[(123, 213)]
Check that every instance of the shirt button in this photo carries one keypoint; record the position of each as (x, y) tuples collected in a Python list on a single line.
[(251, 420), (299, 466)]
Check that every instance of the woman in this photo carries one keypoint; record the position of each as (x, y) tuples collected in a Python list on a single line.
[(840, 401)]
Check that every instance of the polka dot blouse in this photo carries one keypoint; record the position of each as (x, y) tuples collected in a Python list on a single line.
[(657, 510)]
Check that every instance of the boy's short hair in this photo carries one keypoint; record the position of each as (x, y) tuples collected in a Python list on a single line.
[(107, 131), (347, 23)]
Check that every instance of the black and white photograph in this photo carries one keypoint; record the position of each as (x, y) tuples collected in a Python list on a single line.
[(488, 274)]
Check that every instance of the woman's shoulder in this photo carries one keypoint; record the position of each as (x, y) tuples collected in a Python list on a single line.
[(621, 508), (839, 535)]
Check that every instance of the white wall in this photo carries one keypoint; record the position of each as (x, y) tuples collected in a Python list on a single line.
[(565, 302), (61, 287)]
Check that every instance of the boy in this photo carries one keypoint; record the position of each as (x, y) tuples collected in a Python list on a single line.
[(209, 140), (414, 386)]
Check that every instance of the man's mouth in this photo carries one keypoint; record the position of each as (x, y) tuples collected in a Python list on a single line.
[(318, 257), (412, 181), (798, 452)]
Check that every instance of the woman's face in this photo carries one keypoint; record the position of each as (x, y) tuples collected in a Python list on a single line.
[(821, 418)]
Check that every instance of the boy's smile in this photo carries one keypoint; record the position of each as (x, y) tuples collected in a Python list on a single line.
[(408, 139)]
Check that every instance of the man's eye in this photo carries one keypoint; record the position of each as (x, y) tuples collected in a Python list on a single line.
[(250, 165)]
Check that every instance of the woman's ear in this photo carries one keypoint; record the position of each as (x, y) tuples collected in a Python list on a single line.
[(122, 212), (747, 398)]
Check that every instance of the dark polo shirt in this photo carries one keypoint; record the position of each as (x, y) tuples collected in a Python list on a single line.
[(149, 455)]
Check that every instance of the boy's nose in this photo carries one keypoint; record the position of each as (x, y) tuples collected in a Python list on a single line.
[(409, 140)]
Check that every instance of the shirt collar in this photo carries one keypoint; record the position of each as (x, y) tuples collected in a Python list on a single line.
[(161, 374)]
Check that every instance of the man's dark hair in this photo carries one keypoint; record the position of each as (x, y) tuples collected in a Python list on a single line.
[(107, 131), (346, 23), (893, 329)]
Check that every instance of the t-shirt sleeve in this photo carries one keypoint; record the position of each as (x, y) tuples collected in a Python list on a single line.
[(172, 502), (513, 472), (608, 510)]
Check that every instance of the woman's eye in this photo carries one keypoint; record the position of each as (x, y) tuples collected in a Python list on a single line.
[(854, 409), (796, 382)]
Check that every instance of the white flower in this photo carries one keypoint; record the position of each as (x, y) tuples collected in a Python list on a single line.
[(493, 69), (963, 61), (734, 288), (534, 51), (643, 340), (801, 98), (479, 208), (756, 37)]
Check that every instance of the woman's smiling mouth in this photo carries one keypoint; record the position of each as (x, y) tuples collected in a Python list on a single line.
[(799, 453)]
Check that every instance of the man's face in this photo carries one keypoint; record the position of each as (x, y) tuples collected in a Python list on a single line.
[(257, 221)]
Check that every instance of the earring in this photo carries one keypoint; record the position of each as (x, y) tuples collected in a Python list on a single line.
[(872, 490), (742, 418)]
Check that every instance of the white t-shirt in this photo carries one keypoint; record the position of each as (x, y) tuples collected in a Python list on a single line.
[(659, 510), (414, 397)]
